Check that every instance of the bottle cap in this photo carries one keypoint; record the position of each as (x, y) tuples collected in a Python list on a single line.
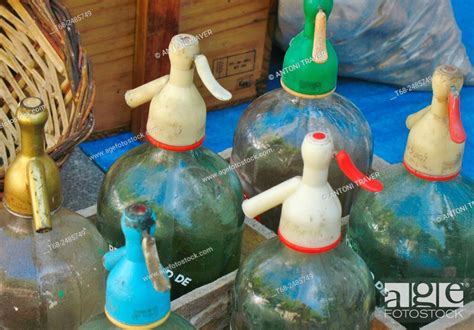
[(310, 64)]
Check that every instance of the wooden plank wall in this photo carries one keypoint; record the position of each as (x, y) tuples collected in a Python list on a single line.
[(122, 48), (238, 27), (158, 22), (108, 37)]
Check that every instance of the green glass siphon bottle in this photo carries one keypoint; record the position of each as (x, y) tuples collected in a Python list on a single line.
[(272, 128), (305, 278), (419, 231), (193, 191)]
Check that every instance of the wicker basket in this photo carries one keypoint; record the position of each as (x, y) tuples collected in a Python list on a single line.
[(41, 56)]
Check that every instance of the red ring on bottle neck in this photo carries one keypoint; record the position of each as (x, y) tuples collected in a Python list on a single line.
[(309, 250), (426, 176), (169, 147)]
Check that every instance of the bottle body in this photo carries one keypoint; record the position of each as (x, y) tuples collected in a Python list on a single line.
[(269, 135), (416, 230), (279, 288), (199, 219), (50, 280), (174, 322)]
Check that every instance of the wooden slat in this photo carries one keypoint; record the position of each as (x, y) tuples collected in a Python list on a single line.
[(382, 321), (118, 42), (237, 26), (271, 26), (108, 37), (463, 321), (157, 23), (93, 36)]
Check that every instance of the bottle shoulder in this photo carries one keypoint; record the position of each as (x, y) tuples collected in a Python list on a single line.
[(279, 103), (415, 195), (274, 259), (147, 157), (429, 216), (279, 121), (65, 222), (55, 248), (197, 171)]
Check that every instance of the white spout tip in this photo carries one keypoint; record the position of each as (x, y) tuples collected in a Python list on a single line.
[(224, 96), (212, 85), (129, 98), (247, 210)]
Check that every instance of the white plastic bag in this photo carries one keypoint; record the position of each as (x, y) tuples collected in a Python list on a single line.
[(397, 42)]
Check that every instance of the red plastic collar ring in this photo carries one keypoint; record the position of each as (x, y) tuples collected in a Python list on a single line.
[(165, 146), (428, 177), (309, 250)]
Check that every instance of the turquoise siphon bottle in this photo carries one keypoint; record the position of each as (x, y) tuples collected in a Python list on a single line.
[(193, 191), (270, 132), (417, 236), (305, 278), (50, 257), (138, 289)]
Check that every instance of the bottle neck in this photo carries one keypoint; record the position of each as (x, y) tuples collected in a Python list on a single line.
[(32, 141), (133, 245), (309, 27), (439, 107), (181, 77), (315, 177)]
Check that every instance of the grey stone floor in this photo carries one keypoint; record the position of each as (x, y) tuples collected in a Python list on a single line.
[(81, 180)]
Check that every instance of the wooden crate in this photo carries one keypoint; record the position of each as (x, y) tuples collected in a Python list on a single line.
[(209, 307), (126, 40)]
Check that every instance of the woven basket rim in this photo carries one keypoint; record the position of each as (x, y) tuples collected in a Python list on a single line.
[(78, 75)]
